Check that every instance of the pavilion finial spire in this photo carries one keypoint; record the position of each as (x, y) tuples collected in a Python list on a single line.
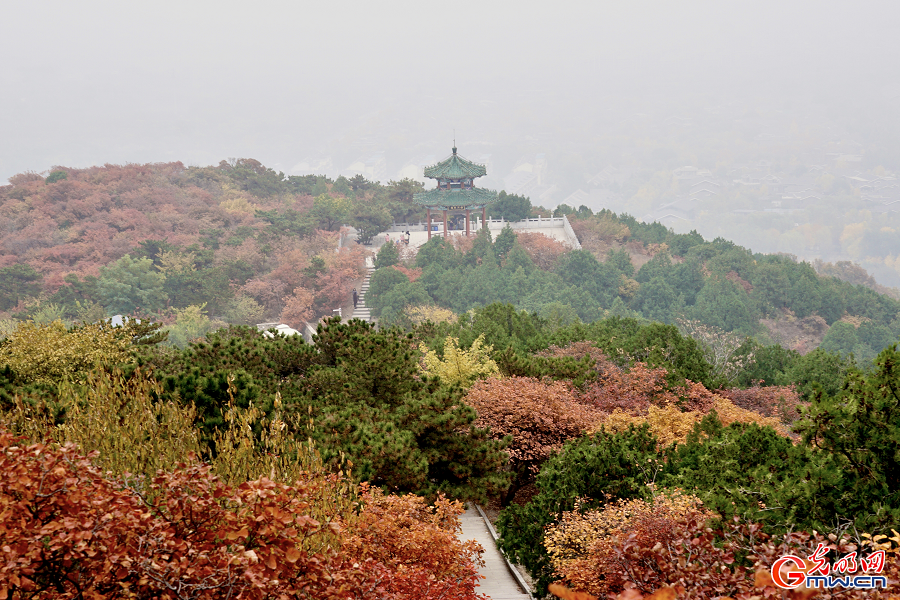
[(454, 140)]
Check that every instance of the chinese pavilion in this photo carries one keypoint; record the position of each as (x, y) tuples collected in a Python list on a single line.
[(455, 190)]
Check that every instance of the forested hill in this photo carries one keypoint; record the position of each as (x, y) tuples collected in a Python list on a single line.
[(238, 242), (629, 268), (241, 243)]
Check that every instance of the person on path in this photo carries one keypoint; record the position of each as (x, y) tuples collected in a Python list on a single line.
[(355, 298)]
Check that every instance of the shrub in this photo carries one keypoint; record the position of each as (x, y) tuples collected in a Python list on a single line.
[(781, 402), (51, 353), (670, 425), (538, 416), (417, 543), (67, 531), (583, 546), (672, 553), (458, 366), (597, 469)]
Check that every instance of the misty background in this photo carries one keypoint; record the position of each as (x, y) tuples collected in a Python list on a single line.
[(597, 103)]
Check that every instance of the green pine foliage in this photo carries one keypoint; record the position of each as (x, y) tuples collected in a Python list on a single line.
[(356, 393), (387, 256), (860, 427), (753, 473), (503, 272), (716, 283), (598, 469), (403, 432)]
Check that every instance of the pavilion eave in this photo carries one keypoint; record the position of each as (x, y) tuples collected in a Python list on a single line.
[(442, 199)]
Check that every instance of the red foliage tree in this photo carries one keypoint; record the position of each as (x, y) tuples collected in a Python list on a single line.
[(69, 531), (543, 250), (632, 391), (659, 551), (539, 415), (418, 543), (411, 274)]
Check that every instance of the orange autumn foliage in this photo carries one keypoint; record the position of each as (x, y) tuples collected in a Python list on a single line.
[(583, 545), (543, 250), (68, 530), (663, 549), (411, 274), (642, 394), (539, 415), (415, 541), (631, 391), (670, 424), (779, 401)]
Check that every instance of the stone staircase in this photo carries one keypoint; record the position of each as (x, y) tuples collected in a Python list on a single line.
[(361, 312)]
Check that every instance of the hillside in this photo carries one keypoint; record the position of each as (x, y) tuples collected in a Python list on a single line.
[(240, 243), (633, 269), (634, 373)]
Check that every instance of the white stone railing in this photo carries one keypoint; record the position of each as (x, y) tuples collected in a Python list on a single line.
[(497, 224)]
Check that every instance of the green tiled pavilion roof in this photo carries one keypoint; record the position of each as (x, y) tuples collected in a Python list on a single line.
[(455, 167), (455, 199)]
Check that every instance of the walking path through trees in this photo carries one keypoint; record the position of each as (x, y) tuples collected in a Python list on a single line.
[(498, 582)]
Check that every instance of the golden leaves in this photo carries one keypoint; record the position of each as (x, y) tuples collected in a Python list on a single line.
[(460, 366), (420, 314), (669, 424), (51, 353)]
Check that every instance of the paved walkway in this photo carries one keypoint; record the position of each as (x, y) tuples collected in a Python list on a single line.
[(498, 582)]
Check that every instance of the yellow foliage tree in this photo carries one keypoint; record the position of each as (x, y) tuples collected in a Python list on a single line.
[(173, 262), (191, 323), (123, 419), (7, 326), (420, 314), (118, 415), (460, 366), (51, 353), (277, 454), (669, 424), (135, 434), (235, 201)]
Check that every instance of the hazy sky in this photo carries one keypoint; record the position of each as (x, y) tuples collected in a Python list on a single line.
[(94, 82)]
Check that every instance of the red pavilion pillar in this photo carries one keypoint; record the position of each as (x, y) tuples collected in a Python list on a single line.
[(467, 222), (484, 217), (428, 226), (445, 224)]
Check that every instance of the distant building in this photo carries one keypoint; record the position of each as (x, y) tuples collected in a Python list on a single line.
[(373, 168), (279, 327), (314, 166), (678, 210)]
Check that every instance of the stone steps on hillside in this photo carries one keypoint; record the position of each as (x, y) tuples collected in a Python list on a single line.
[(363, 312)]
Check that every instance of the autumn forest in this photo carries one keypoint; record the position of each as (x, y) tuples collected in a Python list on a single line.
[(653, 413)]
